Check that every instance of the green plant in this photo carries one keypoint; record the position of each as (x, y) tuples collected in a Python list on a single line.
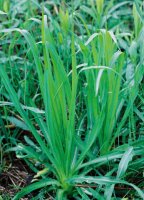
[(57, 148), (82, 119)]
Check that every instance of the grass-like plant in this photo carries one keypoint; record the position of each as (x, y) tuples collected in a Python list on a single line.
[(65, 154), (81, 119)]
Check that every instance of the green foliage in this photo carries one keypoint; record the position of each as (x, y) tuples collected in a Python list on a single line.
[(73, 96)]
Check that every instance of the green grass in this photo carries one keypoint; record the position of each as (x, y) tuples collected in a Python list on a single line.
[(72, 76)]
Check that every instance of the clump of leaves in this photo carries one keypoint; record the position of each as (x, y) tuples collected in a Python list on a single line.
[(67, 152)]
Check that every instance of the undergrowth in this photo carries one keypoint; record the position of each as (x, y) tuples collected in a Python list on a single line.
[(72, 97)]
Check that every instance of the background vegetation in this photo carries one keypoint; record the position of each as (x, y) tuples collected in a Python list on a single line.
[(71, 99)]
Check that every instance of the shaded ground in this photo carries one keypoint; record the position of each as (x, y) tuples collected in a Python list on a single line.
[(13, 178)]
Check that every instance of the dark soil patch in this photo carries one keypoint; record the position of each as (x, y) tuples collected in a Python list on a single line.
[(12, 178)]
